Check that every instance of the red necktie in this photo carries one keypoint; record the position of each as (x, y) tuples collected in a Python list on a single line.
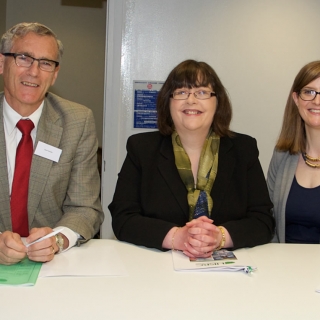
[(20, 184)]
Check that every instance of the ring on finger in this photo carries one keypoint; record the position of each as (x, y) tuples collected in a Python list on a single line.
[(53, 251)]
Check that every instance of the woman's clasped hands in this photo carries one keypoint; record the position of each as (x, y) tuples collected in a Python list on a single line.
[(198, 238)]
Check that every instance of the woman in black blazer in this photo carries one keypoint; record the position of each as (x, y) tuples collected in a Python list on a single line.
[(194, 185)]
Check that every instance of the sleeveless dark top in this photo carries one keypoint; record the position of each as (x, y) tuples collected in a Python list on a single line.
[(303, 214)]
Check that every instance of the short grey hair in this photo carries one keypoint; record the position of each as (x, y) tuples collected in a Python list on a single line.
[(22, 29)]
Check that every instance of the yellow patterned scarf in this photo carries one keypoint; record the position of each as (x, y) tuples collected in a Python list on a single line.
[(207, 171)]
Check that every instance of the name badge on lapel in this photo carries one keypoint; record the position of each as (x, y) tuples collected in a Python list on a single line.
[(49, 152)]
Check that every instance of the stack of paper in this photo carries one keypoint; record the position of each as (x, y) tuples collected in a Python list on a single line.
[(222, 260)]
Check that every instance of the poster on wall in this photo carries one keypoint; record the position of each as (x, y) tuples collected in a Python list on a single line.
[(145, 103)]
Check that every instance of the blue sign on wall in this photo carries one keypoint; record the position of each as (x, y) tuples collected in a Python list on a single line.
[(145, 102)]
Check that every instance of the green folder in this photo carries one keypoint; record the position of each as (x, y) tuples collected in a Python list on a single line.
[(24, 273)]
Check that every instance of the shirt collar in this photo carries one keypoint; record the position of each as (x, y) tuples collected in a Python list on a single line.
[(11, 117)]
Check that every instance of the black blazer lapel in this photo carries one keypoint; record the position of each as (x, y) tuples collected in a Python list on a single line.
[(226, 165), (169, 172)]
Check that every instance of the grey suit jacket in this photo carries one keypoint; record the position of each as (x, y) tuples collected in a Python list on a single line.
[(281, 172), (64, 193)]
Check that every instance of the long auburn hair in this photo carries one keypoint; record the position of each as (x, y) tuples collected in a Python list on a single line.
[(292, 137)]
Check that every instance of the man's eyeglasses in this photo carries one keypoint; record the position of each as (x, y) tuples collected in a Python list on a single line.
[(23, 60), (184, 95), (308, 94)]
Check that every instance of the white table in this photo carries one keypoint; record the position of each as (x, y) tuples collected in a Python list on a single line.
[(283, 287)]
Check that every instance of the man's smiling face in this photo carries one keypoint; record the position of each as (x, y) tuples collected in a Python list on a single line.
[(25, 88)]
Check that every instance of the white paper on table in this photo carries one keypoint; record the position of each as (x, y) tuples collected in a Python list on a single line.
[(91, 259), (241, 262)]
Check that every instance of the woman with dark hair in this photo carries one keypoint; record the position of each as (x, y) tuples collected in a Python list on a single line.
[(194, 185), (293, 178)]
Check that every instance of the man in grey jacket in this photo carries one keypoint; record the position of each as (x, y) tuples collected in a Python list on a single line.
[(64, 184)]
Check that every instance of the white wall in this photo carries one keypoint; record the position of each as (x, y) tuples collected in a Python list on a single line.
[(256, 47)]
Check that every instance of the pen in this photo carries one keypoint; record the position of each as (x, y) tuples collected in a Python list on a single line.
[(45, 237)]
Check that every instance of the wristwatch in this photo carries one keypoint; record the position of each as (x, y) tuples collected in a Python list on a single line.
[(59, 242)]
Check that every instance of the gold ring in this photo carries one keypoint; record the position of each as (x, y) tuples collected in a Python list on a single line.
[(53, 251)]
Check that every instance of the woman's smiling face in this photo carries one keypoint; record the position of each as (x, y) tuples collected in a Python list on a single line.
[(193, 114), (309, 110)]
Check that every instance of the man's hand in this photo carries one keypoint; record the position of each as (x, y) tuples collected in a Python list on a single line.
[(44, 250), (12, 249)]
